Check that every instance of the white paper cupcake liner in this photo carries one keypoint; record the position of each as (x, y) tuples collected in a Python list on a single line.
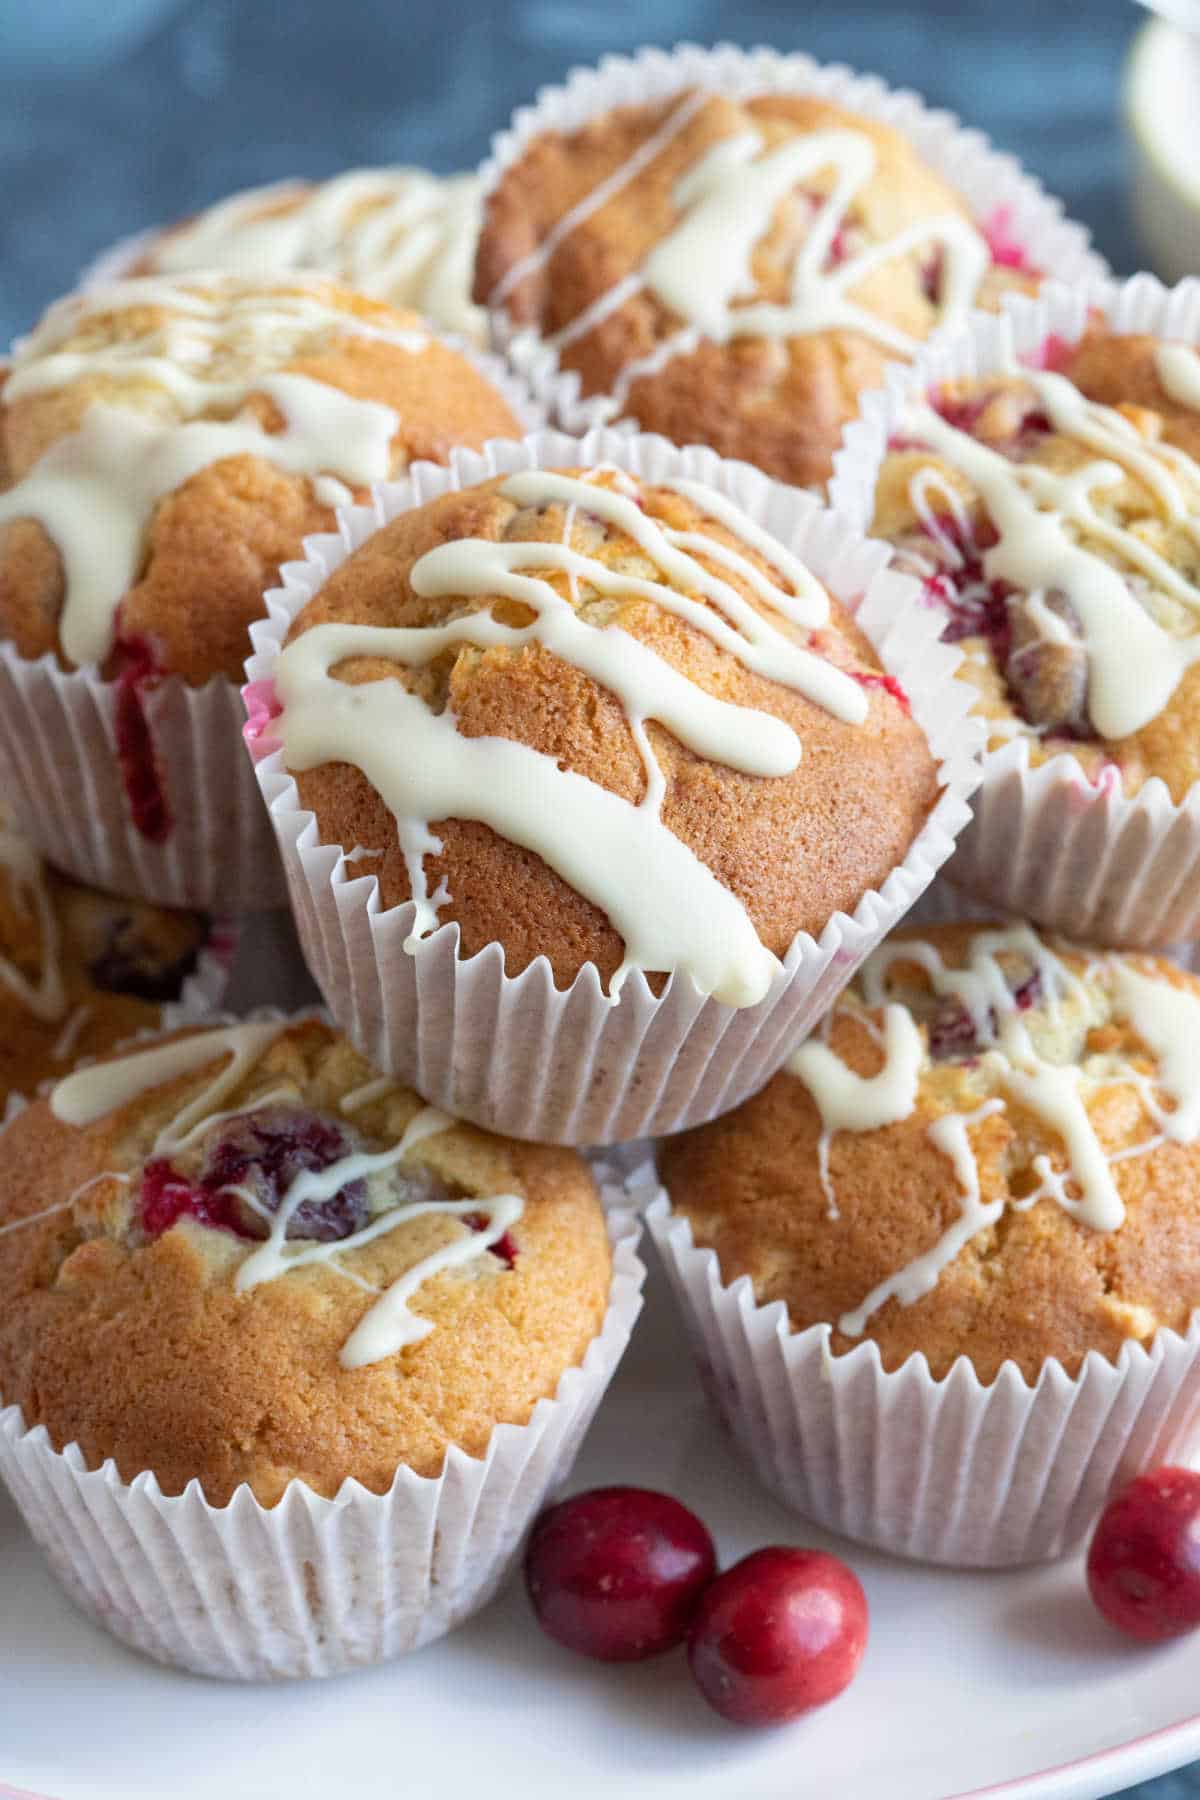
[(516, 1054), (1075, 854), (999, 192), (312, 1586), (948, 1471), (205, 989)]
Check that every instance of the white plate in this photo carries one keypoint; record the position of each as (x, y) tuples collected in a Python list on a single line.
[(1005, 1684), (973, 1684)]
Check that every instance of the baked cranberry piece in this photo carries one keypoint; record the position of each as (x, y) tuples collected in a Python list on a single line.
[(137, 673), (247, 1172), (783, 1631), (130, 963), (1143, 1564), (616, 1573), (264, 1152)]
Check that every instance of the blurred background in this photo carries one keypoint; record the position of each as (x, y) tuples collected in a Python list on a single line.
[(115, 114), (118, 114)]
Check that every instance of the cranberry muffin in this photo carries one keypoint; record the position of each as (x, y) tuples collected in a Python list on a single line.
[(168, 445), (80, 971), (733, 271), (240, 1257), (401, 235), (1052, 514), (990, 1151), (603, 721)]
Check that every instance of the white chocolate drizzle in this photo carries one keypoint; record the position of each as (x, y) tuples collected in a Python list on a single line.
[(90, 1094), (45, 998), (95, 490), (1042, 514), (1165, 1017), (701, 269), (398, 234), (1178, 368), (675, 914)]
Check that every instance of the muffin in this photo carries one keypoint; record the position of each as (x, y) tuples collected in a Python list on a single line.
[(605, 730), (211, 425), (729, 248), (401, 235), (1079, 640), (973, 1187), (1048, 502), (80, 971), (239, 1263)]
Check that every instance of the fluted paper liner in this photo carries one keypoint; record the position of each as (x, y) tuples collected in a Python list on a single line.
[(1005, 201), (58, 746), (314, 1586), (948, 1471), (1077, 855), (515, 1054)]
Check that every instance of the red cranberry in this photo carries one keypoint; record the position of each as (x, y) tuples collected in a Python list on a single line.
[(616, 1573), (263, 1153), (504, 1247), (889, 685), (138, 674), (130, 964), (782, 1631), (1143, 1565)]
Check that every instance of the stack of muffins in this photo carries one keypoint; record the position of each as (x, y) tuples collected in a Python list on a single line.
[(600, 768)]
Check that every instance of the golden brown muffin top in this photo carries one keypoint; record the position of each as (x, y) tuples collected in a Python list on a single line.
[(259, 1262), (604, 721), (1055, 514), (400, 234), (80, 971), (733, 272), (169, 443), (989, 1151)]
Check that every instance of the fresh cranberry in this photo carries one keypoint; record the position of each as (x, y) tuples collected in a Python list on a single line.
[(888, 683), (782, 1631), (616, 1573), (261, 1153), (138, 674), (1143, 1564)]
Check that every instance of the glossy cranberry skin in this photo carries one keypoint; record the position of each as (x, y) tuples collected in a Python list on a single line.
[(782, 1631), (616, 1573), (1143, 1564)]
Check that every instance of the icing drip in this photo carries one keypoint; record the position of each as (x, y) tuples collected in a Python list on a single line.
[(949, 1134), (399, 234), (1178, 367), (1165, 1017), (679, 915), (46, 997), (701, 269), (95, 491), (850, 1102), (88, 1095), (1041, 514), (388, 1325)]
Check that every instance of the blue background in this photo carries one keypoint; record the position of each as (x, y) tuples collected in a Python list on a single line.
[(116, 114)]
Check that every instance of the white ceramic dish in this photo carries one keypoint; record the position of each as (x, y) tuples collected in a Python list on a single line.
[(998, 1685), (1004, 1685)]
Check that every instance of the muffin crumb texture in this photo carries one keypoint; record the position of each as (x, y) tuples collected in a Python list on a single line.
[(990, 1151)]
